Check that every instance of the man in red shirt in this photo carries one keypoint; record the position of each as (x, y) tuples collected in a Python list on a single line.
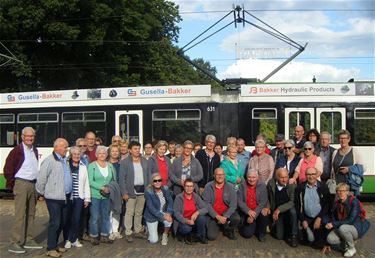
[(91, 147), (221, 201)]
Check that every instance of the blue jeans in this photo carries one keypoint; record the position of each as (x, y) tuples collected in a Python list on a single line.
[(99, 209), (74, 219), (200, 225), (58, 211)]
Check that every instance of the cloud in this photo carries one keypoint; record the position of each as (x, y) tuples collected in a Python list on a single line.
[(294, 71)]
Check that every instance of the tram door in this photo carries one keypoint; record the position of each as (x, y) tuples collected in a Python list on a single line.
[(327, 119), (129, 125)]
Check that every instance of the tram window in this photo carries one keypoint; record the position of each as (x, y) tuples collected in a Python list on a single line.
[(364, 124), (331, 122), (44, 124), (129, 127), (7, 130), (264, 121), (185, 124), (299, 118), (74, 125)]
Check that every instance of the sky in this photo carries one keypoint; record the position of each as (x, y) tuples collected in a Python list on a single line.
[(340, 38)]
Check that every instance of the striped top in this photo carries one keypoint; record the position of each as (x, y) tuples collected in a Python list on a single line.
[(162, 200), (75, 176)]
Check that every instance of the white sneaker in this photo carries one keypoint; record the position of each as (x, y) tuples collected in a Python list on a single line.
[(164, 239), (68, 244), (112, 236), (77, 244), (117, 235), (350, 252)]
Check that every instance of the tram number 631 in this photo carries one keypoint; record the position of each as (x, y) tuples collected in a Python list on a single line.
[(210, 108)]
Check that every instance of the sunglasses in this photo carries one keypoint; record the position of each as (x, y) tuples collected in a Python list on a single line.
[(82, 145), (288, 148), (308, 148), (157, 180)]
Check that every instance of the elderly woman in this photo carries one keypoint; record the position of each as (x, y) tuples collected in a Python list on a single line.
[(184, 167), (231, 166), (160, 163), (147, 150), (309, 160), (346, 221), (262, 162), (344, 157), (80, 197), (124, 152), (178, 151), (101, 173), (159, 208), (313, 136), (290, 159)]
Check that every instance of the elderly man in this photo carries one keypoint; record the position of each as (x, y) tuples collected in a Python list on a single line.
[(278, 151), (281, 206), (243, 156), (54, 183), (252, 198), (82, 145), (20, 171), (325, 152), (91, 146), (299, 138), (262, 162), (221, 201), (312, 204)]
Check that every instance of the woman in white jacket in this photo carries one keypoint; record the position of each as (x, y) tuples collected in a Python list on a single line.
[(80, 198)]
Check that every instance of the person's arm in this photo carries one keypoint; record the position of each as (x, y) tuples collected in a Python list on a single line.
[(208, 201), (290, 204), (176, 166), (229, 175), (151, 208), (232, 201), (271, 164), (319, 166), (41, 180), (241, 201), (353, 214), (86, 185), (262, 198), (92, 171), (197, 175), (178, 209)]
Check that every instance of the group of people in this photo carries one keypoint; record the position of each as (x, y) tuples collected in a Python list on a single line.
[(96, 193)]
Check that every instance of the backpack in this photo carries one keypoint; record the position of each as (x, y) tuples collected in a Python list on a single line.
[(355, 178), (362, 212)]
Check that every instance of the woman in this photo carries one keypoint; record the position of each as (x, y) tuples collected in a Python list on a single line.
[(346, 222), (313, 136), (124, 152), (197, 147), (101, 173), (262, 162), (184, 167), (160, 163), (290, 159), (219, 150), (147, 150), (309, 160), (80, 197), (232, 167), (159, 208), (178, 151), (344, 157)]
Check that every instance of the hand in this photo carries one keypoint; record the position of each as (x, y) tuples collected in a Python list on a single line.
[(305, 225), (221, 219), (344, 170), (182, 182), (105, 189), (250, 220), (329, 226), (86, 204), (195, 216), (252, 214), (292, 181), (275, 214), (266, 211), (317, 223), (41, 198), (125, 197), (190, 222), (238, 180), (168, 217)]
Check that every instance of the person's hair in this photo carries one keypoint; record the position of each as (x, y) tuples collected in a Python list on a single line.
[(241, 139), (308, 144), (28, 128), (291, 142), (231, 138), (251, 170), (342, 185), (144, 145), (219, 144), (74, 148), (58, 141), (327, 133), (343, 132), (160, 144), (312, 131), (124, 142), (188, 142), (90, 132), (80, 140), (172, 143), (231, 147), (188, 180), (98, 139), (179, 146), (210, 137), (113, 146), (260, 142), (279, 170), (100, 148), (115, 136), (197, 144), (133, 143)]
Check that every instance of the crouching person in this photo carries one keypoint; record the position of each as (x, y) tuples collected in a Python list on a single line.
[(159, 208), (189, 211), (347, 221), (252, 198)]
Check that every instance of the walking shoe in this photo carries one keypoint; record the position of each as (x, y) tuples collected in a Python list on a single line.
[(129, 238), (106, 240), (117, 235), (61, 249), (94, 241), (164, 239), (350, 252), (16, 248), (86, 237), (294, 241), (141, 235), (202, 240), (53, 253), (76, 244), (230, 234), (68, 244), (112, 236), (261, 238), (188, 239), (31, 244)]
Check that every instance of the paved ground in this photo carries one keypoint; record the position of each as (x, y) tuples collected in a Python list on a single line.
[(220, 248)]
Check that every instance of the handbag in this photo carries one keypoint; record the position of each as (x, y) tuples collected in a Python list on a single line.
[(331, 182)]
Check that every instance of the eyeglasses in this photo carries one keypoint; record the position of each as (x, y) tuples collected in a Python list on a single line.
[(308, 148), (288, 148), (343, 138), (157, 180), (313, 174), (82, 145), (188, 148)]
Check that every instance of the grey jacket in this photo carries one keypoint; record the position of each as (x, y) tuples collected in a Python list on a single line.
[(126, 175), (229, 198), (50, 180), (115, 197), (261, 197), (196, 174), (155, 169)]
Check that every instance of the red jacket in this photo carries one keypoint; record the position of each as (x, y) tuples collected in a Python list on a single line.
[(13, 163)]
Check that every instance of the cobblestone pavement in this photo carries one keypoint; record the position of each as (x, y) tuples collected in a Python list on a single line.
[(220, 248)]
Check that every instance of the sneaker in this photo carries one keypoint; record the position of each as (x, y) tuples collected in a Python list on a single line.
[(53, 253), (68, 244), (117, 235), (16, 248), (164, 239), (350, 252), (112, 236), (129, 238), (141, 235), (106, 240), (77, 244), (31, 244), (94, 241), (61, 249), (86, 237)]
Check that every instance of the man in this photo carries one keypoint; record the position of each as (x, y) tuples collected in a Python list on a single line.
[(231, 140), (252, 198), (171, 149), (312, 204), (134, 177), (209, 161), (82, 145), (221, 201), (243, 156), (281, 206), (91, 146), (278, 151), (20, 171), (116, 140), (54, 183), (325, 152), (299, 138)]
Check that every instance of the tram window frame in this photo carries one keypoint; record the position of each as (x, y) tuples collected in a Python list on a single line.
[(168, 124), (7, 139), (336, 127), (47, 136), (360, 127), (255, 124), (83, 128)]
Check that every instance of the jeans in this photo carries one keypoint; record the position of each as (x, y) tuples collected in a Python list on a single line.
[(152, 227), (287, 218), (258, 226), (213, 227), (74, 220), (58, 211), (200, 225), (99, 213), (346, 232)]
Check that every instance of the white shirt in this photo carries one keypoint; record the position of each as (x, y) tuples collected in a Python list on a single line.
[(29, 168), (103, 171)]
